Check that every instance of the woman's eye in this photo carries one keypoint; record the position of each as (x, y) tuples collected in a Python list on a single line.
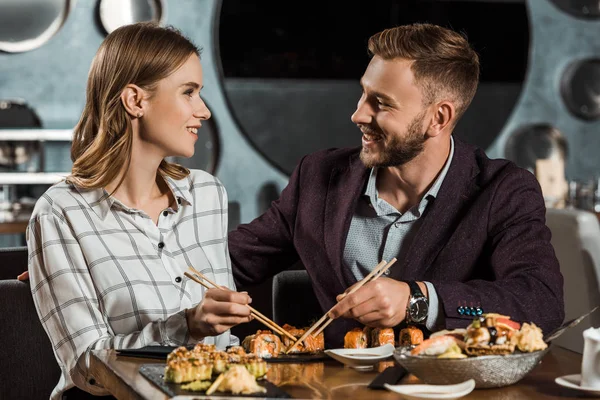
[(189, 92)]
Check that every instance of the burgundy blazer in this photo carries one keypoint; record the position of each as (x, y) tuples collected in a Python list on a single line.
[(483, 241)]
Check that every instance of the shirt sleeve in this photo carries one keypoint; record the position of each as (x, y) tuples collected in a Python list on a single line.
[(67, 303), (435, 318)]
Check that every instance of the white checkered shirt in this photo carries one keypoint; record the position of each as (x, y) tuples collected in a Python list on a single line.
[(104, 276)]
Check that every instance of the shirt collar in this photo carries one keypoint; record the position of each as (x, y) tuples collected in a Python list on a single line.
[(371, 190), (101, 202)]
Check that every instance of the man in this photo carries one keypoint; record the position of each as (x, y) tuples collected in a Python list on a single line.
[(469, 233)]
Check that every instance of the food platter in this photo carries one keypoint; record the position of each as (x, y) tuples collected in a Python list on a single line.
[(155, 374)]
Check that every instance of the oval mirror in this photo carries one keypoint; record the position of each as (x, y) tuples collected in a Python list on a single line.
[(26, 25), (116, 13)]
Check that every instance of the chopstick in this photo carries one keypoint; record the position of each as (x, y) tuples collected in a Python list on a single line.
[(376, 273), (258, 315)]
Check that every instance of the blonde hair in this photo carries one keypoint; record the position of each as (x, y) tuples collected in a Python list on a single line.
[(444, 62), (140, 54)]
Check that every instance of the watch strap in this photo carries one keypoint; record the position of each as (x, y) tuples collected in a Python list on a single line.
[(415, 290)]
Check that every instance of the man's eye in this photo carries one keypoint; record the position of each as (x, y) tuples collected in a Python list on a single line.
[(189, 92)]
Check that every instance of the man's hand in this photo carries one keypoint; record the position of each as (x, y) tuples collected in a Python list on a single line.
[(218, 312), (24, 276), (380, 303)]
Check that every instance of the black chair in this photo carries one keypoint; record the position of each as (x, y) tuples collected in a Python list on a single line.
[(294, 300), (29, 369), (13, 262)]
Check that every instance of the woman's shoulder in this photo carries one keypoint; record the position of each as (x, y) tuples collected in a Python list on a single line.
[(56, 199)]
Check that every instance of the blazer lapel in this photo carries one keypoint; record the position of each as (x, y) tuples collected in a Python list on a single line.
[(441, 215), (343, 192)]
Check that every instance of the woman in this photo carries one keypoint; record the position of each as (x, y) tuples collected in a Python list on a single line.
[(110, 245)]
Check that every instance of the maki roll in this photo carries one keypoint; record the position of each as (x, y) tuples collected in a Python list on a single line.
[(311, 344), (184, 370), (380, 336), (263, 343), (356, 339)]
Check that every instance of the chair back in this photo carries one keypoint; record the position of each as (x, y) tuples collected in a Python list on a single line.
[(13, 261), (29, 370), (294, 300), (576, 241)]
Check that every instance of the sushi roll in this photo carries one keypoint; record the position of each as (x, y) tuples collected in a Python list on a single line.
[(311, 344), (410, 336), (380, 336), (255, 365), (356, 339), (188, 370), (263, 343)]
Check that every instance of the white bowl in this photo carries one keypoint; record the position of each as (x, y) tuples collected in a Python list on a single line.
[(362, 358)]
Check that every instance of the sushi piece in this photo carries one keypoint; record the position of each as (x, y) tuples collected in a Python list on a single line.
[(380, 336), (263, 343), (410, 336), (255, 365), (188, 370), (311, 344), (434, 347), (356, 339)]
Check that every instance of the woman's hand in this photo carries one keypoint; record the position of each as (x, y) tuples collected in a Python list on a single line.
[(219, 311)]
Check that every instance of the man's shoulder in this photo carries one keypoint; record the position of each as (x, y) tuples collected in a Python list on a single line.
[(497, 170)]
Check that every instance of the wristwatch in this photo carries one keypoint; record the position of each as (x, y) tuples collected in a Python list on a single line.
[(418, 304)]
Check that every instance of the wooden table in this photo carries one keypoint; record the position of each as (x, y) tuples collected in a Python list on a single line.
[(332, 380)]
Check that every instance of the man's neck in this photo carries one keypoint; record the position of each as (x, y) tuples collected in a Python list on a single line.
[(404, 186)]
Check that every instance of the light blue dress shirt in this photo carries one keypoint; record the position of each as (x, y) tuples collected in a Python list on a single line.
[(378, 231)]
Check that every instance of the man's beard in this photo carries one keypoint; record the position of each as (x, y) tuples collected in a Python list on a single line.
[(398, 150)]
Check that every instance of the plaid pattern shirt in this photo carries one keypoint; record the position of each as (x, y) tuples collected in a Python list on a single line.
[(104, 276)]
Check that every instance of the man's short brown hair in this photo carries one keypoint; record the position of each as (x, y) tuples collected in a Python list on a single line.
[(445, 65)]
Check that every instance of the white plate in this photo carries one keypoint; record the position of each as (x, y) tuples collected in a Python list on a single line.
[(358, 358), (434, 391), (574, 382)]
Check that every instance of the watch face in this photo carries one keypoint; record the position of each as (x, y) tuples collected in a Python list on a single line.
[(418, 309)]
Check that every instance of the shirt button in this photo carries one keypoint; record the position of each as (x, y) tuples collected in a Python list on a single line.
[(161, 245), (387, 272), (178, 279), (165, 213)]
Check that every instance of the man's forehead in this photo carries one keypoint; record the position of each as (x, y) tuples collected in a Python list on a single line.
[(389, 77)]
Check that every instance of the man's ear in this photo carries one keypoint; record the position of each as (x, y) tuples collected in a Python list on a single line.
[(443, 117), (132, 97)]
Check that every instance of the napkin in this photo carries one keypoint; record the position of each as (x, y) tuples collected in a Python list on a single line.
[(391, 376), (590, 363)]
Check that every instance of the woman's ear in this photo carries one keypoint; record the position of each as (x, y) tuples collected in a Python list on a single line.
[(132, 97)]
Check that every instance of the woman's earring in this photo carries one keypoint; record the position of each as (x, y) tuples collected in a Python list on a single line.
[(140, 115)]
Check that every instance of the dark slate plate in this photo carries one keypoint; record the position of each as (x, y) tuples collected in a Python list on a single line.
[(161, 353), (155, 374)]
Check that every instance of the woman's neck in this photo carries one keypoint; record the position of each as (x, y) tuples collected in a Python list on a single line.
[(141, 184)]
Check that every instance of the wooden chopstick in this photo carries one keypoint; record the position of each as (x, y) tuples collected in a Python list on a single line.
[(376, 273), (258, 315), (274, 328)]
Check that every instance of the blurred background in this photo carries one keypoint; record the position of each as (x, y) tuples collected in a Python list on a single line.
[(281, 80)]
